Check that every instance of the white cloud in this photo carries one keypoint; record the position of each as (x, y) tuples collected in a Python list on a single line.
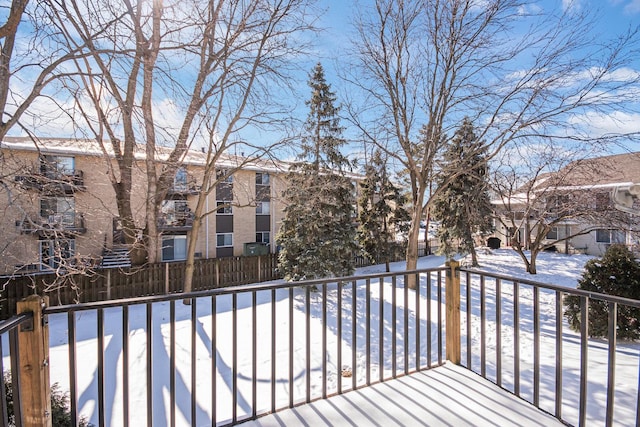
[(598, 124), (568, 5), (633, 7)]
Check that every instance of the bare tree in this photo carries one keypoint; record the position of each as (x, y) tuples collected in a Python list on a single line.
[(28, 67), (158, 75), (559, 201), (520, 75)]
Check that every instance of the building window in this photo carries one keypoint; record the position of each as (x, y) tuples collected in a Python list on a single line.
[(54, 253), (224, 240), (58, 210), (224, 207), (611, 236), (174, 248), (54, 166), (553, 234), (262, 178), (263, 237), (263, 208), (180, 180), (224, 175)]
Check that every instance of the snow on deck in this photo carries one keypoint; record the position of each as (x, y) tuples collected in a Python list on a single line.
[(446, 395)]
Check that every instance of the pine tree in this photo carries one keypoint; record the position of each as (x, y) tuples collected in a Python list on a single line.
[(616, 273), (463, 205), (318, 236), (382, 213)]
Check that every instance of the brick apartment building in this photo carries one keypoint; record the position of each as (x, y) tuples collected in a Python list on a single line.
[(57, 201)]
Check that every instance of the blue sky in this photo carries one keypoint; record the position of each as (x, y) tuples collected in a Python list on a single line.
[(613, 17), (336, 20)]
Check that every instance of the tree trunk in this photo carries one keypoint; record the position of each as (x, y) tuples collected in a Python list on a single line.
[(531, 268), (412, 243), (474, 256)]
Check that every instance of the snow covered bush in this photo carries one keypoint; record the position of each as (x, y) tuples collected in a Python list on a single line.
[(616, 273), (60, 411)]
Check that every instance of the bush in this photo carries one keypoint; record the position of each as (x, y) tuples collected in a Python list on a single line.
[(60, 411), (616, 273)]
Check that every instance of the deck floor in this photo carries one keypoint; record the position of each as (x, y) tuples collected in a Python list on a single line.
[(448, 395)]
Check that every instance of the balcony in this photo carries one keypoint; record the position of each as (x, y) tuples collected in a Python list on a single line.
[(52, 181), (177, 220), (184, 188), (52, 225), (463, 348)]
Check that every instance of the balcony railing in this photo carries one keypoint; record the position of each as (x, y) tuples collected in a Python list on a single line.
[(53, 181), (69, 223), (175, 221), (236, 353)]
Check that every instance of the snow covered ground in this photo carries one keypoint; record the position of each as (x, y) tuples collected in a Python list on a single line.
[(553, 268)]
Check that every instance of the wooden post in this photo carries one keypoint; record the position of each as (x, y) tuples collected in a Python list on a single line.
[(109, 284), (33, 342), (453, 311)]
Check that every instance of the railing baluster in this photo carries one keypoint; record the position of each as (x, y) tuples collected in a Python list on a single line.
[(367, 333), (611, 361), (194, 361), (417, 323), (307, 292), (14, 350), (172, 361), (498, 305), (273, 350), (324, 337), (584, 346), (516, 338), (536, 346), (394, 315), (354, 335), (234, 358), (100, 369), (291, 350), (381, 330), (4, 419), (405, 332), (214, 359), (254, 355), (429, 300), (440, 328), (339, 337), (149, 313), (468, 306), (125, 364), (559, 319), (73, 365), (483, 328)]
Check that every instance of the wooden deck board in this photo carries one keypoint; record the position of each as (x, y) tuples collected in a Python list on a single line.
[(448, 395)]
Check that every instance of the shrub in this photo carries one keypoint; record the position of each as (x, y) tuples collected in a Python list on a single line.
[(616, 273), (60, 411)]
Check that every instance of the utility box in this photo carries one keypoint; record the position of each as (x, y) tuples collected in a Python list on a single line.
[(255, 249)]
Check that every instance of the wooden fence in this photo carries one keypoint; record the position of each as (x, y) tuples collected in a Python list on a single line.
[(152, 279)]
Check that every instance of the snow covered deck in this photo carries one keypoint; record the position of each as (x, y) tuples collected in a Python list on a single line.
[(446, 395)]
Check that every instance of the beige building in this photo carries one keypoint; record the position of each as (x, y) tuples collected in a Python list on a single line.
[(576, 209), (58, 203)]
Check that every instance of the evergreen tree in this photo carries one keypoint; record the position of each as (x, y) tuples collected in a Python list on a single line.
[(318, 236), (382, 213), (463, 205), (616, 273)]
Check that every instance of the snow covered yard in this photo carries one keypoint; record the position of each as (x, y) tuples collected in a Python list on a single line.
[(211, 338)]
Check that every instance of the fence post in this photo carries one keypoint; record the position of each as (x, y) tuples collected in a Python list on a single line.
[(33, 343), (452, 297)]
